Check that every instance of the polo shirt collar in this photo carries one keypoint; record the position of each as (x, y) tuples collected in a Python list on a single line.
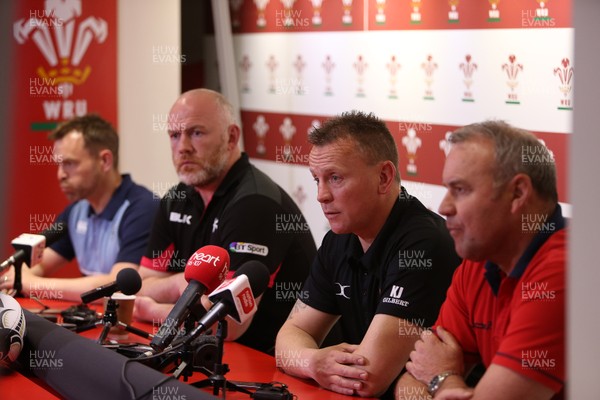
[(116, 200), (493, 273), (369, 260), (234, 174)]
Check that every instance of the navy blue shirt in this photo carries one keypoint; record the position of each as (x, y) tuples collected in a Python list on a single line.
[(119, 233)]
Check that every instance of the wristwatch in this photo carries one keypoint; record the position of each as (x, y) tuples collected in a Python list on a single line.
[(436, 382)]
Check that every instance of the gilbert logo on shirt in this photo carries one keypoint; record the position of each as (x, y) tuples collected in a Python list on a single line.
[(395, 295), (180, 218)]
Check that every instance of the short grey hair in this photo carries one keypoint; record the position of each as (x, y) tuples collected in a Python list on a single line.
[(516, 151)]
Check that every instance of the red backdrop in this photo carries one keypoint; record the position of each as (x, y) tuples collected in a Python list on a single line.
[(65, 59)]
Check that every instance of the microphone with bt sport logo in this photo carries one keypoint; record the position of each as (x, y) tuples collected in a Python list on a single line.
[(205, 270), (235, 297)]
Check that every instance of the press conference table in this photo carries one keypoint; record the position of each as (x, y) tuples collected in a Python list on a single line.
[(245, 364)]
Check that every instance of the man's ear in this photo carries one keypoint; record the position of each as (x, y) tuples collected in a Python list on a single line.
[(387, 174), (522, 190), (107, 159), (233, 135)]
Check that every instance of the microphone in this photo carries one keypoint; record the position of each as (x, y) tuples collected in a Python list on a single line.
[(128, 282), (235, 297), (204, 271), (30, 247)]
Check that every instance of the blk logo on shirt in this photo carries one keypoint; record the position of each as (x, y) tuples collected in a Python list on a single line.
[(180, 218)]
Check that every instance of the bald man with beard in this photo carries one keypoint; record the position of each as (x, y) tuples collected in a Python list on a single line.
[(223, 200)]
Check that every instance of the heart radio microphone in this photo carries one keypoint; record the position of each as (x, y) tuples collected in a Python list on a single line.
[(128, 282), (235, 297), (29, 247), (205, 270)]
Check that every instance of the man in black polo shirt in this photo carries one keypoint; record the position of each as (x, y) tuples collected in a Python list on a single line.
[(382, 270), (225, 201)]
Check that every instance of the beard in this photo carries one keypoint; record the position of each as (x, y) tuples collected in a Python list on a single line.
[(210, 170)]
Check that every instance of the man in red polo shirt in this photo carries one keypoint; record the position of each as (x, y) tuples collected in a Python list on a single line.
[(506, 305)]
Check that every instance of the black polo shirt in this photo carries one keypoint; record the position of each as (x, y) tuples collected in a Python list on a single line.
[(405, 272), (253, 218)]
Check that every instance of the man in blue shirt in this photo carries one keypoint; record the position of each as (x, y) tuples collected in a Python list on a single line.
[(108, 221)]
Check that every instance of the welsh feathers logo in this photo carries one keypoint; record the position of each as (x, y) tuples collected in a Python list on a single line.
[(63, 37), (512, 69), (412, 142), (565, 73), (429, 66), (468, 67), (62, 40)]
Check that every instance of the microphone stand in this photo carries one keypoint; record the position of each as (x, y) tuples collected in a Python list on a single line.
[(109, 320), (217, 378), (16, 262), (185, 353), (18, 283)]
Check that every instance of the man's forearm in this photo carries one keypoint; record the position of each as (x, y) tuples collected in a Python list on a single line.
[(69, 289), (293, 350), (408, 388), (384, 363), (165, 289)]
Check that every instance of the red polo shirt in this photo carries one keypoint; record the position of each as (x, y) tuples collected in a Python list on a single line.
[(517, 321)]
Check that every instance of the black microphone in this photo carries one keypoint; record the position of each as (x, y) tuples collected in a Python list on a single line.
[(205, 270), (128, 282), (235, 297), (29, 247)]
